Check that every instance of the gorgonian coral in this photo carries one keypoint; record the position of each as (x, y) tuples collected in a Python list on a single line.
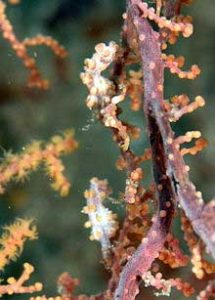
[(139, 248)]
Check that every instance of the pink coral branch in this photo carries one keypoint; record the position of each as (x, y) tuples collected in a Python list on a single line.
[(154, 108), (149, 249), (170, 171)]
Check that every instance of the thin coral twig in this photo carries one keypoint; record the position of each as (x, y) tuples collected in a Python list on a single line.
[(20, 47), (18, 166)]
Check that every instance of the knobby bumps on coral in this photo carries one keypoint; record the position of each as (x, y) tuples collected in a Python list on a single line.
[(21, 48)]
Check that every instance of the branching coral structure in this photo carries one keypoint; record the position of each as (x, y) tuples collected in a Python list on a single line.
[(19, 166), (138, 248), (20, 47), (145, 45)]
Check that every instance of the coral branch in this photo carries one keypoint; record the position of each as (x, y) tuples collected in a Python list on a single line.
[(165, 285), (16, 286), (172, 254), (48, 41), (185, 28), (141, 261), (153, 81), (18, 166), (180, 106), (13, 239), (135, 89), (170, 171), (173, 64), (20, 47), (176, 170)]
